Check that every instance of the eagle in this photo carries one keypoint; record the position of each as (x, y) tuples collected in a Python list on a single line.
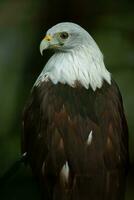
[(75, 132)]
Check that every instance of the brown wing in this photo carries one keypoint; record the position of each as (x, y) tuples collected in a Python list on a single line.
[(77, 142), (114, 130)]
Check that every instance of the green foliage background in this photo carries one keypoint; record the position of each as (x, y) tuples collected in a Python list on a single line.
[(22, 26)]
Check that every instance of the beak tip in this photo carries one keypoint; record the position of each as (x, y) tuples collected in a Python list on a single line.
[(43, 45), (41, 52)]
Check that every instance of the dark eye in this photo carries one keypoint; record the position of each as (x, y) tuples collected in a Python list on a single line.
[(64, 35)]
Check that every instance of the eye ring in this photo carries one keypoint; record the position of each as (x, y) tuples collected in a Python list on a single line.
[(64, 35)]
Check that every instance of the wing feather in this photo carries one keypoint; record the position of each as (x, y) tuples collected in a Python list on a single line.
[(57, 122)]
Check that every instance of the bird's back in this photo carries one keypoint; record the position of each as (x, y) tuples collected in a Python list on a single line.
[(76, 140)]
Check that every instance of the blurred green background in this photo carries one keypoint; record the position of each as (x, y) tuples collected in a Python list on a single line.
[(22, 26)]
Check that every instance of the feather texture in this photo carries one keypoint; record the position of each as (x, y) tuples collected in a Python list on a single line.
[(57, 123)]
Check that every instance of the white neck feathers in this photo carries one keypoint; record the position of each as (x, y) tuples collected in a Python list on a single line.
[(84, 65)]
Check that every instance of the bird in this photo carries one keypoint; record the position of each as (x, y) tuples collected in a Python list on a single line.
[(75, 132)]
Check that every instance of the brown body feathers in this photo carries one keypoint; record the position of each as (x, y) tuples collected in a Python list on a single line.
[(77, 141)]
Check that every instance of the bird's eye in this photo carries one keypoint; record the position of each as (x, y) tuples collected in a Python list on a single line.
[(64, 35)]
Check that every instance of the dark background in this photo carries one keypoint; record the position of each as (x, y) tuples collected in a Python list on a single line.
[(22, 26)]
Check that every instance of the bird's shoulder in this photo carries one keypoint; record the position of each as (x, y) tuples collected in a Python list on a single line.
[(76, 100)]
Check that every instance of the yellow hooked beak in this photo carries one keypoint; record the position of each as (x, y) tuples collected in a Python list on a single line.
[(49, 42), (45, 43)]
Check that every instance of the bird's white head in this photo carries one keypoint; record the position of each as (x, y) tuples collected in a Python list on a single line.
[(65, 37), (77, 57)]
